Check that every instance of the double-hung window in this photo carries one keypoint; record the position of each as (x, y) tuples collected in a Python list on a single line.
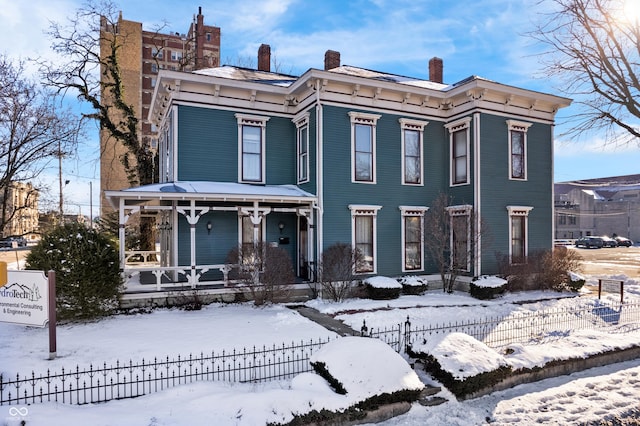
[(459, 151), (518, 233), (412, 238), (363, 225), (363, 147), (412, 151), (302, 144), (518, 149), (460, 237), (251, 146)]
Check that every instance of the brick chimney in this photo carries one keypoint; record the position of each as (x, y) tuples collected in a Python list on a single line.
[(199, 37), (264, 58), (435, 70), (331, 59)]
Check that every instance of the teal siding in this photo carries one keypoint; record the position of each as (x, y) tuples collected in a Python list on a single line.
[(498, 191), (281, 151), (388, 191), (207, 138)]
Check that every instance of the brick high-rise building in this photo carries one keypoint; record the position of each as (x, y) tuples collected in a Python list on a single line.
[(141, 54)]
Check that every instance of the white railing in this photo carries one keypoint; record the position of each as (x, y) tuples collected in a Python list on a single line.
[(139, 262)]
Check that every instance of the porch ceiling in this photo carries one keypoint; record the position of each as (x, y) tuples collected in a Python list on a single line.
[(212, 191)]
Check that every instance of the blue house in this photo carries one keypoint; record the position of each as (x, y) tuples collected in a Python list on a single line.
[(340, 154)]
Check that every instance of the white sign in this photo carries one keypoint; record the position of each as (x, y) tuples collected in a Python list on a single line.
[(24, 299)]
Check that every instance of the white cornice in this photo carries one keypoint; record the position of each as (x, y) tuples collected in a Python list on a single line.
[(355, 91)]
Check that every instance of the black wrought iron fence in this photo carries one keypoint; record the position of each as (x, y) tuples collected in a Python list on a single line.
[(129, 380), (519, 326)]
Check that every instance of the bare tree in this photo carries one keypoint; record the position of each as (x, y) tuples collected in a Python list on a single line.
[(451, 236), (336, 272), (34, 130), (91, 69), (266, 271), (594, 50), (90, 43)]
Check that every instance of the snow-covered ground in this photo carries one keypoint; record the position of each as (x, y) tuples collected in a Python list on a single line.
[(581, 397)]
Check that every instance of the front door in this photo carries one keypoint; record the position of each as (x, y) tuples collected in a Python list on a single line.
[(303, 248)]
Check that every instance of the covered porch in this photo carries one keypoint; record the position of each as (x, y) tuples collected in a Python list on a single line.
[(197, 224)]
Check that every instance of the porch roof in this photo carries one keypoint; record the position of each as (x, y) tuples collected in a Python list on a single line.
[(212, 191)]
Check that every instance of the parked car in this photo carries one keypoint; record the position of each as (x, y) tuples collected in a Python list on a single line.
[(590, 242), (609, 242), (9, 242), (622, 241)]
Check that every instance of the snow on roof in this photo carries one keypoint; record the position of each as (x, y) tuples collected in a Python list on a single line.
[(376, 75), (246, 74), (358, 362), (461, 355), (216, 188), (593, 194)]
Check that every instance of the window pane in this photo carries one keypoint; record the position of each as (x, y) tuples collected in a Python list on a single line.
[(364, 241), (460, 247), (460, 143), (411, 143), (363, 138), (251, 153), (517, 154), (251, 139), (460, 170), (517, 167), (412, 156), (412, 170), (413, 246), (363, 153), (363, 166), (460, 156), (517, 239), (303, 149), (517, 142)]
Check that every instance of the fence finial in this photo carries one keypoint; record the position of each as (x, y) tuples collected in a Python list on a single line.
[(364, 329)]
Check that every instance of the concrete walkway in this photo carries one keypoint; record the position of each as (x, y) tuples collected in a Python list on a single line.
[(326, 321)]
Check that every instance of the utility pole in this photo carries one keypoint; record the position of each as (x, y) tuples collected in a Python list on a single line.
[(91, 204)]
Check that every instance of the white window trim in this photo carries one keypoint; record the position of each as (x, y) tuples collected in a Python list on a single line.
[(262, 227), (522, 211), (456, 126), (366, 210), (256, 121), (368, 120), (461, 210), (412, 211), (519, 126), (302, 121), (408, 124)]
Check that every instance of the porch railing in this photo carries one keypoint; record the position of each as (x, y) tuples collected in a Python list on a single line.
[(145, 265)]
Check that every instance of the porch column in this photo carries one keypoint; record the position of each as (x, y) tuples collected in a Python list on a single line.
[(256, 214), (122, 220), (192, 216)]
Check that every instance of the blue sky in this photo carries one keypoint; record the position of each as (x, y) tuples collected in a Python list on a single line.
[(483, 37)]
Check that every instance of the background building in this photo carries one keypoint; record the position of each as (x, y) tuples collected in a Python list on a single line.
[(20, 215), (603, 206), (142, 54)]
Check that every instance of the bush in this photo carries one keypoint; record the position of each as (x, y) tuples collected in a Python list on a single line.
[(544, 270), (382, 288), (412, 285), (486, 288), (265, 270), (336, 271), (88, 280)]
